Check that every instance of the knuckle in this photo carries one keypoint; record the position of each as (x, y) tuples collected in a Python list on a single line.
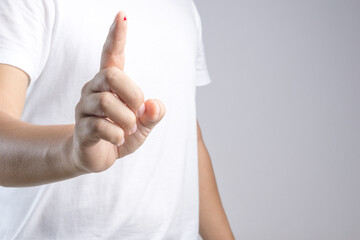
[(84, 88), (78, 107), (110, 71), (104, 100), (110, 74), (77, 111), (96, 126)]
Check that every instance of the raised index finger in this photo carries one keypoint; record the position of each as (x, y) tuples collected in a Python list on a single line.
[(113, 54)]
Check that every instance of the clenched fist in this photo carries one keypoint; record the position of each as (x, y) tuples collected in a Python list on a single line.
[(112, 119)]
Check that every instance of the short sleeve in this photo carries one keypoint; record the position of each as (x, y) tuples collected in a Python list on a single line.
[(25, 34), (202, 74)]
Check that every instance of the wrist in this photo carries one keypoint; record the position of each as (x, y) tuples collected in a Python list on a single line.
[(69, 160)]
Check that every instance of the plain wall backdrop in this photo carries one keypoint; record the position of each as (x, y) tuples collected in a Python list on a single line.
[(281, 118)]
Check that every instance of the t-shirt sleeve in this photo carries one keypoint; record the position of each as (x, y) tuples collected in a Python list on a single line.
[(202, 74), (25, 34)]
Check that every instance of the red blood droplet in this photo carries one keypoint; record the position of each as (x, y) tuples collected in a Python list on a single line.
[(124, 18)]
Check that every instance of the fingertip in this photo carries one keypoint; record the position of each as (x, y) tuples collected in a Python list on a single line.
[(150, 110), (155, 109), (113, 49), (121, 15), (161, 109)]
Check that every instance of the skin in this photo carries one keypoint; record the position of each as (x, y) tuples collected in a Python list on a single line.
[(36, 154), (214, 224)]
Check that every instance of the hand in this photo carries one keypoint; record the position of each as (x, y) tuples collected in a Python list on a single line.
[(112, 119)]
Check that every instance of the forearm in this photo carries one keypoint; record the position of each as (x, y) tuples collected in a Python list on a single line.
[(33, 154), (213, 221)]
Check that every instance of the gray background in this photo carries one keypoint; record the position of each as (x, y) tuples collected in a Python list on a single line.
[(281, 118)]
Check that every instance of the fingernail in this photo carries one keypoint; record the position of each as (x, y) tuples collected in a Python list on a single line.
[(141, 110), (133, 129), (158, 108), (122, 142)]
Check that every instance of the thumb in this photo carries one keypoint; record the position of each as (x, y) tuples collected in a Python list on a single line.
[(150, 115), (153, 113), (113, 54)]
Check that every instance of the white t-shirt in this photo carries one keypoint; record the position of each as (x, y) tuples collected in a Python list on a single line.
[(150, 194)]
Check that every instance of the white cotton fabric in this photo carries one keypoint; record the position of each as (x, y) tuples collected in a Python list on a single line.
[(150, 194)]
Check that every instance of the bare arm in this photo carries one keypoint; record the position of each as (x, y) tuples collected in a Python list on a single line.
[(213, 221), (33, 154), (106, 128), (27, 150)]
